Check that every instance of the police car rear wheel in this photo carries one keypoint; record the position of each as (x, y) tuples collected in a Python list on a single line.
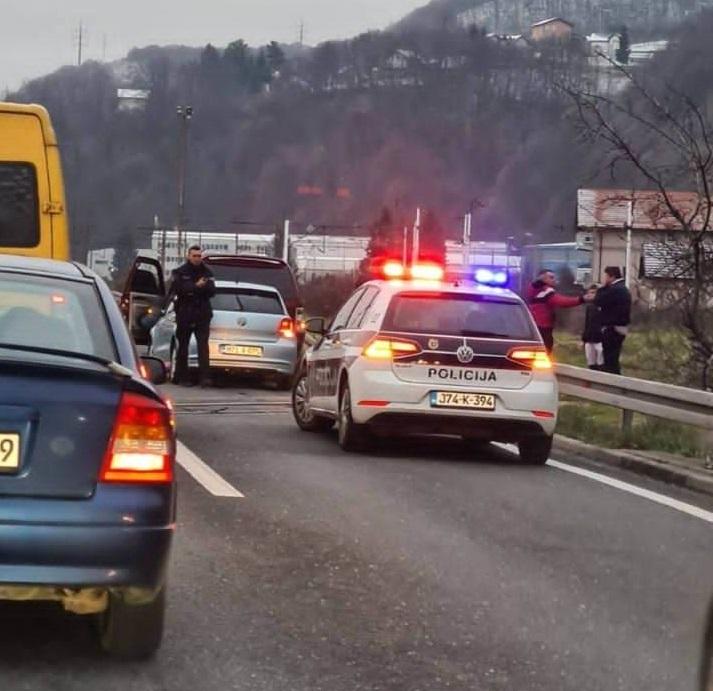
[(352, 436), (305, 418), (535, 451)]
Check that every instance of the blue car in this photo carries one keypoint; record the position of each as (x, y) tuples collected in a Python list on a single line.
[(87, 453)]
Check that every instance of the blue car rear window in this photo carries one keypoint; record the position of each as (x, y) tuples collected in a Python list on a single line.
[(53, 313)]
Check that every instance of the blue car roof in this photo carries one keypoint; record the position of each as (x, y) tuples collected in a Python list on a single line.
[(47, 267)]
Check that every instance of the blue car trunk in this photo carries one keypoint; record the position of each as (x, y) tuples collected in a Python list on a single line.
[(60, 421)]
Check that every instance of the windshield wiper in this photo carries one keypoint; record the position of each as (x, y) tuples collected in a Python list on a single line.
[(113, 367), (484, 334)]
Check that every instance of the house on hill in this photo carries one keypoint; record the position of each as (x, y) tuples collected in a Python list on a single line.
[(553, 29), (656, 253)]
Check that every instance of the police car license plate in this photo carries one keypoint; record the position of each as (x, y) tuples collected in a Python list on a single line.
[(9, 452), (473, 401), (245, 351)]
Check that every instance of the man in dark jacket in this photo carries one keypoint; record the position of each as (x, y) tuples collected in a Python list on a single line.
[(193, 286), (614, 302), (543, 299)]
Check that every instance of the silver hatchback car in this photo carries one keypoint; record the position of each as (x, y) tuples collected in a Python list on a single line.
[(251, 332)]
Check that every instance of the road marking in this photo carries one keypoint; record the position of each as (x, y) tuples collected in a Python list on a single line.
[(655, 497), (204, 474)]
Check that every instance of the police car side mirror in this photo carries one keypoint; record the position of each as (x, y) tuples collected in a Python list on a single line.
[(316, 326)]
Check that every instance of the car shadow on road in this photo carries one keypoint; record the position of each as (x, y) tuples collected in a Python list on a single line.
[(39, 635), (444, 449)]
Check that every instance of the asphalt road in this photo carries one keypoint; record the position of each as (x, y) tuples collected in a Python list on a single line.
[(423, 566)]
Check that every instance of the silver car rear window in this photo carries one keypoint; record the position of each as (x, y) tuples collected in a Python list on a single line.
[(247, 300)]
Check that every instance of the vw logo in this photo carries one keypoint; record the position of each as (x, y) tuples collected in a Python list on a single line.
[(242, 321), (465, 354)]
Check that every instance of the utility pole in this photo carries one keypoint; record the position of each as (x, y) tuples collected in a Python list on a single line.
[(467, 228), (405, 248), (157, 227), (104, 44), (629, 226), (302, 33), (416, 236), (286, 241), (80, 44), (185, 114)]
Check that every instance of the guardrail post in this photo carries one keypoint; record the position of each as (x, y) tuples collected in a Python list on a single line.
[(627, 425)]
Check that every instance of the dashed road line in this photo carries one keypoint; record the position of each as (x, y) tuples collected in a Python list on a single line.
[(204, 474)]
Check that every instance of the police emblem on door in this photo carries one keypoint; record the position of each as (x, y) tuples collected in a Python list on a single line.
[(465, 354)]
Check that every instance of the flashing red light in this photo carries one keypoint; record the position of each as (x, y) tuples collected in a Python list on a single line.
[(394, 269), (427, 272)]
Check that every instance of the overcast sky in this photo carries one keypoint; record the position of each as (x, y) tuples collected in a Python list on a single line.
[(38, 36)]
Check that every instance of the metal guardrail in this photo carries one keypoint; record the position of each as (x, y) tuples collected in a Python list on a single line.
[(665, 401)]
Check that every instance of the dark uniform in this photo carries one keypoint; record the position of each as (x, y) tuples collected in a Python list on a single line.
[(614, 303), (193, 316)]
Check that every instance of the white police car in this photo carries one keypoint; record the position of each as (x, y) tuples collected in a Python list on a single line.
[(422, 355)]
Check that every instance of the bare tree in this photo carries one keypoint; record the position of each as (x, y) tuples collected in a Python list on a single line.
[(661, 135)]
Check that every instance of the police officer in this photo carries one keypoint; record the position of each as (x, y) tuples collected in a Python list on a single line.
[(193, 286)]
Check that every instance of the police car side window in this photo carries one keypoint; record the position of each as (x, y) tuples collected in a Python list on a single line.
[(342, 318), (367, 300)]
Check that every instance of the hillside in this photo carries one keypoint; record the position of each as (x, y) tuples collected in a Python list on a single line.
[(643, 17), (436, 117)]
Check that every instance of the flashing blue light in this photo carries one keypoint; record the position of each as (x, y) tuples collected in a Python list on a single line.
[(491, 277)]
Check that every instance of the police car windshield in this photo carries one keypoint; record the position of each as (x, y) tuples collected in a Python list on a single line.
[(452, 314), (247, 300)]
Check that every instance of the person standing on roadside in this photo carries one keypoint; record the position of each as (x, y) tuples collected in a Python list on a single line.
[(543, 299), (592, 335), (614, 302), (193, 286)]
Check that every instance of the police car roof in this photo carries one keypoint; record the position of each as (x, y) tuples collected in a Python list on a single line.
[(394, 287)]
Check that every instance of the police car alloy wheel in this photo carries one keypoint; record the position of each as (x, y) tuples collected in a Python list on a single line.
[(352, 437), (304, 417)]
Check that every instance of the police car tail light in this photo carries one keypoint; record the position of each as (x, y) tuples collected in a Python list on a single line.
[(389, 348), (141, 447), (427, 271), (535, 359), (286, 328)]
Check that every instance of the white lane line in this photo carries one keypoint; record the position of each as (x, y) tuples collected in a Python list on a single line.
[(655, 497), (205, 475)]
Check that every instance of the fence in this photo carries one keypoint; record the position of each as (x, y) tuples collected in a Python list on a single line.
[(666, 401)]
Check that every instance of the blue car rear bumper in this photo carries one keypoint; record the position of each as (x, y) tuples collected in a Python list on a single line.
[(120, 537)]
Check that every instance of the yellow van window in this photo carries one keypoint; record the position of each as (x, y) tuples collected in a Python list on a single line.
[(19, 212)]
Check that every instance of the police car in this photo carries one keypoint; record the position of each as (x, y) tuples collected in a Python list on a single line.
[(414, 353)]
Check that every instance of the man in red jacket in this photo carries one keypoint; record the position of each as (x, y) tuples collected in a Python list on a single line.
[(543, 299)]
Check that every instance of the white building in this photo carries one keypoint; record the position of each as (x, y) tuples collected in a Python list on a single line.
[(132, 100), (102, 262)]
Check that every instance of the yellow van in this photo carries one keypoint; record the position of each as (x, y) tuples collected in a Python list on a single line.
[(33, 213)]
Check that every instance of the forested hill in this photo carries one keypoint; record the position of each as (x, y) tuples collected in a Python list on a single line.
[(439, 117), (643, 17)]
